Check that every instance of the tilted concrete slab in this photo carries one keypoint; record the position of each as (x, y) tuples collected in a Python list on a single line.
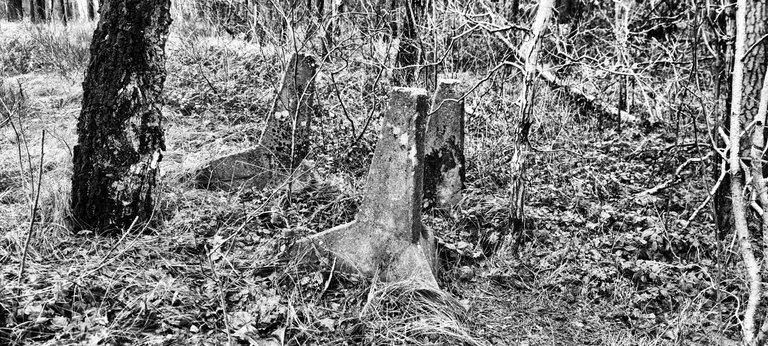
[(444, 166), (387, 236)]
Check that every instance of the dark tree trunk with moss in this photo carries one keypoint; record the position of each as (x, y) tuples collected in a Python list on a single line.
[(15, 10), (120, 133)]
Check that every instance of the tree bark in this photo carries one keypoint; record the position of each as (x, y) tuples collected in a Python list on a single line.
[(63, 15), (92, 9), (332, 27), (529, 51), (409, 52), (737, 122), (37, 10), (622, 11), (120, 134), (32, 14), (758, 143), (15, 10), (723, 73), (756, 61)]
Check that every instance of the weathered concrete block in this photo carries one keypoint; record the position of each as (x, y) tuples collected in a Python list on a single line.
[(444, 167), (288, 126), (284, 142), (387, 234), (251, 168)]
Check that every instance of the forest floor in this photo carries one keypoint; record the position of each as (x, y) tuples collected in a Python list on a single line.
[(600, 262)]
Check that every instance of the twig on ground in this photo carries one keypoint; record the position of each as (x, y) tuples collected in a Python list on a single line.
[(104, 261), (676, 178), (328, 281), (341, 102), (711, 193), (222, 301), (34, 210)]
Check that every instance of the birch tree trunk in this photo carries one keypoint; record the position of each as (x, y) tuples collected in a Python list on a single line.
[(741, 88), (120, 133), (758, 145), (530, 53)]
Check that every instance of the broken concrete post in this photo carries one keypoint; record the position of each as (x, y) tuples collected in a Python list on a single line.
[(288, 126), (284, 142), (444, 169), (387, 235)]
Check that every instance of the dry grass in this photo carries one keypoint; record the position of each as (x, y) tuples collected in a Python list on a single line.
[(401, 314)]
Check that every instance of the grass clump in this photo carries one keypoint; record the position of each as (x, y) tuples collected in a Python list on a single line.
[(62, 48), (401, 313), (47, 47)]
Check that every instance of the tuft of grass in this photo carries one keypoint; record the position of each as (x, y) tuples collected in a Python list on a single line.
[(402, 313), (63, 48), (45, 47)]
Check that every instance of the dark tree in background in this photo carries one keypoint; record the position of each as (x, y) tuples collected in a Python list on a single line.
[(37, 10), (92, 10), (63, 14), (120, 134), (15, 10)]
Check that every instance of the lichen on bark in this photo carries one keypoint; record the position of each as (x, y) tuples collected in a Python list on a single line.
[(120, 132)]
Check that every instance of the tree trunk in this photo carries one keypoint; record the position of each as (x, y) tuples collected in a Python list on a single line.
[(37, 10), (756, 61), (63, 15), (332, 27), (32, 14), (409, 52), (15, 10), (92, 9), (530, 53), (120, 134), (622, 12), (749, 62), (722, 81)]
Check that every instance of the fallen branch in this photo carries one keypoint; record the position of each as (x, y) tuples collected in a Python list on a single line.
[(578, 95), (723, 172), (676, 178)]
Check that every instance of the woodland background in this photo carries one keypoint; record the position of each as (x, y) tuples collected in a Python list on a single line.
[(620, 245)]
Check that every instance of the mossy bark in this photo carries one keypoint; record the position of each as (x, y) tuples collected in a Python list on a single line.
[(120, 129)]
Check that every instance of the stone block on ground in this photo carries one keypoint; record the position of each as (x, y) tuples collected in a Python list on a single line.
[(387, 235), (284, 142), (444, 166)]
